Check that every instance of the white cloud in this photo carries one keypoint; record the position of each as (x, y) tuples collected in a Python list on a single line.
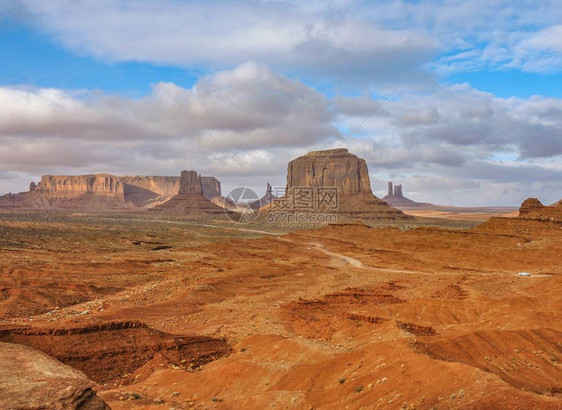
[(459, 145), (453, 134), (248, 111), (247, 100), (329, 39)]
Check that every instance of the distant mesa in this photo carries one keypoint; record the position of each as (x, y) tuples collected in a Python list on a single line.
[(82, 192), (396, 198), (190, 199), (346, 174), (102, 192)]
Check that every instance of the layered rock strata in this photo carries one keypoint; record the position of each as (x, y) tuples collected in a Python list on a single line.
[(30, 379), (333, 181), (103, 192)]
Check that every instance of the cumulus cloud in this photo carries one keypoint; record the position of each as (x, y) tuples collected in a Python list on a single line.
[(451, 143), (493, 150), (227, 123), (248, 100), (460, 116), (329, 39), (356, 42), (445, 147)]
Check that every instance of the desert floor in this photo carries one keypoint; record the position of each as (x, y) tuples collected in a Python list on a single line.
[(209, 314)]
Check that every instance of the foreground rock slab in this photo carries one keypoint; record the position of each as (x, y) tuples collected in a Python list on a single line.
[(30, 379)]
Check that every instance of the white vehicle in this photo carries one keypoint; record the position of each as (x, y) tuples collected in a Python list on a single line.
[(524, 274)]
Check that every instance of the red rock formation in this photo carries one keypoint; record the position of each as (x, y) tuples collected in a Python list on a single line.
[(532, 208), (190, 199), (265, 200), (190, 183), (105, 351), (397, 199), (100, 184), (331, 168), (30, 379), (96, 192), (103, 192), (530, 204), (211, 187), (333, 181)]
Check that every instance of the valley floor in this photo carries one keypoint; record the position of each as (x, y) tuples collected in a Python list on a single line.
[(204, 314)]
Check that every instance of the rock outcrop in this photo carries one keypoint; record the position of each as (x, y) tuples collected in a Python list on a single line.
[(30, 379), (190, 183), (106, 192), (533, 218), (532, 208), (265, 200), (95, 192), (211, 187), (396, 198), (105, 351), (190, 199), (333, 181), (331, 168), (529, 205), (99, 184)]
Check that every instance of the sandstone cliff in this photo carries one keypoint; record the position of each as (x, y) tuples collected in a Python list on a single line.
[(95, 192), (331, 168), (190, 183), (211, 187), (99, 184), (103, 192), (319, 174)]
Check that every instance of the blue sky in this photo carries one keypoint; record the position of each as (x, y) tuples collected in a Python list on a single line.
[(87, 87), (33, 58)]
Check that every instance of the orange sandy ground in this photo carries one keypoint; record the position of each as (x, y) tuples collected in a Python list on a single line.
[(336, 317)]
